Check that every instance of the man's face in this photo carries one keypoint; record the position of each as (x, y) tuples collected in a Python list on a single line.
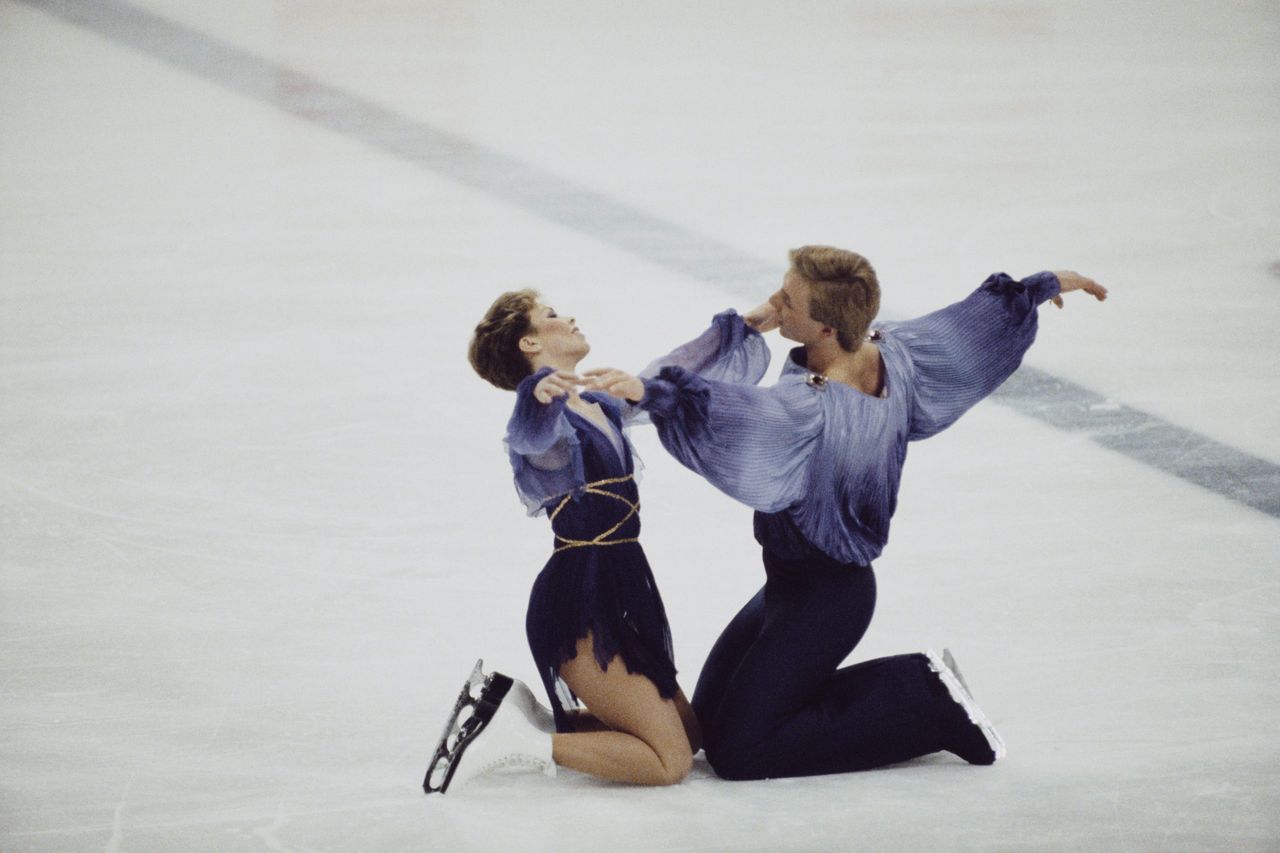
[(792, 302)]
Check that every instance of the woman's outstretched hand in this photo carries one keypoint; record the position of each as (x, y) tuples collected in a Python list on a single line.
[(1074, 281), (553, 385), (615, 383)]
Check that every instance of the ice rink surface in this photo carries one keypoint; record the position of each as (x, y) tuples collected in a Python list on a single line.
[(257, 523)]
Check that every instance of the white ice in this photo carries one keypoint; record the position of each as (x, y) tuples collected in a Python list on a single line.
[(256, 524)]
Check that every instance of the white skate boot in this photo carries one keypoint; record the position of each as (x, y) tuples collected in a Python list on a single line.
[(535, 711), (949, 674), (496, 724)]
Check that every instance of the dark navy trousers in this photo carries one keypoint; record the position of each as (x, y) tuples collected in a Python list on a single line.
[(772, 702)]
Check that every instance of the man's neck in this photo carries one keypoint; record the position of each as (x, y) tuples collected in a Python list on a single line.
[(858, 369), (827, 356)]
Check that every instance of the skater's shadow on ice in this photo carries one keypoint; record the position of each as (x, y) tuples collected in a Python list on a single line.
[(524, 785)]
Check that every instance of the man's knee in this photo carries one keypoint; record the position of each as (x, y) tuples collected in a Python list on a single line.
[(735, 767), (733, 761)]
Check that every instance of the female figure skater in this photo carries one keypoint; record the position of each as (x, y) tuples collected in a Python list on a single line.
[(819, 456), (596, 624)]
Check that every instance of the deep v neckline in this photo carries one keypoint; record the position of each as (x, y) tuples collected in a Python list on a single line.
[(595, 423), (611, 434)]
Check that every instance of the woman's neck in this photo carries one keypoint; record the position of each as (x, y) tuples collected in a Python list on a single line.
[(562, 364)]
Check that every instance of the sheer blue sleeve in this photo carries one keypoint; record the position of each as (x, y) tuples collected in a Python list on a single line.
[(963, 352), (751, 443), (543, 447), (728, 351)]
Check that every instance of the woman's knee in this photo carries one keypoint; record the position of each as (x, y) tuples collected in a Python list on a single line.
[(676, 764)]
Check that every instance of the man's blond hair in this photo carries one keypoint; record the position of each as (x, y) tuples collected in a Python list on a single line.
[(843, 290)]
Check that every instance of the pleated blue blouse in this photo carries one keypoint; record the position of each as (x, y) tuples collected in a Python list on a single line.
[(821, 461)]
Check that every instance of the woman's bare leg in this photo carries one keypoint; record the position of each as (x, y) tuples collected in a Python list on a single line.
[(646, 743), (692, 730), (582, 720)]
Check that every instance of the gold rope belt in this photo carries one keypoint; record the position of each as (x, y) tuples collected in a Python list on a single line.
[(602, 539)]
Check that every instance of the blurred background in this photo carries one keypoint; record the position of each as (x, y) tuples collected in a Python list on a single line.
[(256, 522)]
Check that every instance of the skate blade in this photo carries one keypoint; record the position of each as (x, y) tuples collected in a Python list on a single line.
[(472, 711), (960, 693), (950, 661)]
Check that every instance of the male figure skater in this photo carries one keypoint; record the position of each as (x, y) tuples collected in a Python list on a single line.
[(819, 456)]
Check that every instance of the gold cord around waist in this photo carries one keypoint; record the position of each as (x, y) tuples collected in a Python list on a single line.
[(601, 539)]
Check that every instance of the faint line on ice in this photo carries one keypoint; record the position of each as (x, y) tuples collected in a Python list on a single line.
[(81, 829), (268, 833), (1141, 436), (188, 527), (117, 823)]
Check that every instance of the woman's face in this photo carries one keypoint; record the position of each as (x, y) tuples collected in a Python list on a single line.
[(556, 338)]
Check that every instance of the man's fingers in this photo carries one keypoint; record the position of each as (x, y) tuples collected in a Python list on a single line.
[(1070, 281)]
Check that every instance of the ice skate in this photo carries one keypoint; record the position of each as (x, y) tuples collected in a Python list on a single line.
[(506, 712), (535, 711), (950, 661), (974, 753)]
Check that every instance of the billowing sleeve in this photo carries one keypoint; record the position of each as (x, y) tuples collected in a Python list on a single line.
[(728, 351), (963, 352), (754, 444), (543, 447)]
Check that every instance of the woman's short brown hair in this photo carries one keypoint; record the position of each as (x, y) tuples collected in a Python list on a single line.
[(843, 291), (495, 347)]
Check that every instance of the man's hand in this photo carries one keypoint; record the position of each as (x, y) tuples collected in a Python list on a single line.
[(615, 383), (1074, 281), (763, 318), (553, 385)]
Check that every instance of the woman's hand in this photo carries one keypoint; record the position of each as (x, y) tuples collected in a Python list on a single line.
[(1070, 281), (763, 318), (553, 385), (615, 383)]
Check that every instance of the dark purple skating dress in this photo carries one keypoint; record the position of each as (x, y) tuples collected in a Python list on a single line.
[(597, 580)]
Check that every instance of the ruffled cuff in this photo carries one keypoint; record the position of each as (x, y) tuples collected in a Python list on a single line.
[(1022, 297), (678, 395), (733, 331), (535, 427)]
